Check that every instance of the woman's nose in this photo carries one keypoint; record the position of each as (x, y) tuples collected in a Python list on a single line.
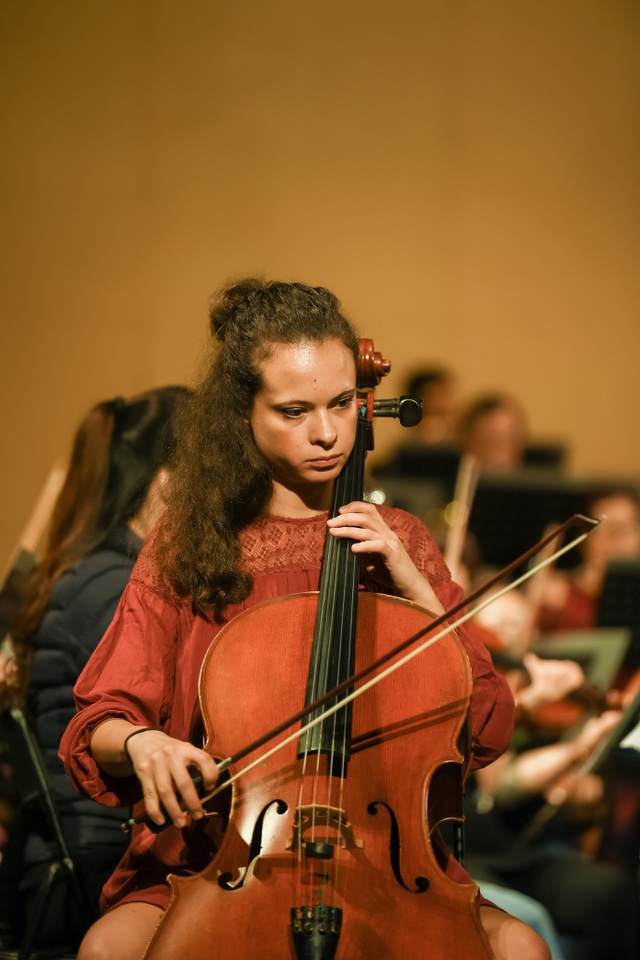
[(323, 429)]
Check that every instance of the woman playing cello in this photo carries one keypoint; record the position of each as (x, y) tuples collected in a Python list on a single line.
[(269, 431)]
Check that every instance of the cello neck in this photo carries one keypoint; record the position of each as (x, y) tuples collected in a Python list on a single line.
[(333, 652)]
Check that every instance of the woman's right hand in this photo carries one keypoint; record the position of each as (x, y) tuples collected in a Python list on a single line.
[(162, 765)]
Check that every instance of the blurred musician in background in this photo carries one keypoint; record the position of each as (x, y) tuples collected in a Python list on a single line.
[(569, 599), (493, 429), (113, 494), (437, 388)]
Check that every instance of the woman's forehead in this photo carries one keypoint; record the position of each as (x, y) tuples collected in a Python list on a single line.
[(308, 365)]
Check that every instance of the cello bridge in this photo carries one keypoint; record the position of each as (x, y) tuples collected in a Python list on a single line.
[(337, 830)]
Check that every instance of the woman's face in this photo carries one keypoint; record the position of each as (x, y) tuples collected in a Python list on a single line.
[(497, 439), (304, 416), (619, 536)]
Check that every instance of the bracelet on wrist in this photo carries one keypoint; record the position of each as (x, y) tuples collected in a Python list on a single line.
[(135, 733)]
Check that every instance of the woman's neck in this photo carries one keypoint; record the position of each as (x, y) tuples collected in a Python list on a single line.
[(305, 502)]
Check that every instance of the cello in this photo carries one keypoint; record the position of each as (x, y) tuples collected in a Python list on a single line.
[(331, 847)]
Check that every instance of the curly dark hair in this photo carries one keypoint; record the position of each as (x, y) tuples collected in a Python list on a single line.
[(223, 482)]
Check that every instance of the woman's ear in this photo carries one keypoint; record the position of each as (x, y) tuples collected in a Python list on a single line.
[(154, 504), (162, 481)]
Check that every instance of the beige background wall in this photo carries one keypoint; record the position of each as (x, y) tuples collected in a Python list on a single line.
[(465, 175)]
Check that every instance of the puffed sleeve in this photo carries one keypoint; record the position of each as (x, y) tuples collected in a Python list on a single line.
[(492, 710), (130, 675)]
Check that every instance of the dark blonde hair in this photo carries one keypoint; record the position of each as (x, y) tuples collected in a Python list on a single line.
[(223, 482)]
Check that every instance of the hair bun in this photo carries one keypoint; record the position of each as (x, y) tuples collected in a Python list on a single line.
[(233, 307)]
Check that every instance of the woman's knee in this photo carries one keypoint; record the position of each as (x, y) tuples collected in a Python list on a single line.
[(124, 933), (93, 946), (511, 938)]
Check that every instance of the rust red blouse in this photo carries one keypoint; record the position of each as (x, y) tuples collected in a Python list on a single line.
[(147, 665)]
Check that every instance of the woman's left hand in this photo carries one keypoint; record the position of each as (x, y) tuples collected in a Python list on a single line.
[(382, 553)]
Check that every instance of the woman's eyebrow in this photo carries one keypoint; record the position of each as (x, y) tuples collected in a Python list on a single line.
[(305, 403)]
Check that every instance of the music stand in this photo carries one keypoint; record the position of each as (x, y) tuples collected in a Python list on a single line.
[(599, 652), (435, 464), (511, 512), (619, 603), (540, 454)]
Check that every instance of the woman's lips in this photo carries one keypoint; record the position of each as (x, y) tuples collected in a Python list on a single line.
[(325, 462)]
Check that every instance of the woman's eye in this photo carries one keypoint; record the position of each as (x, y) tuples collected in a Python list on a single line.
[(345, 401), (292, 413)]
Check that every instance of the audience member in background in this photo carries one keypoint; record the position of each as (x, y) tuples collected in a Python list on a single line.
[(113, 494), (437, 387), (493, 429)]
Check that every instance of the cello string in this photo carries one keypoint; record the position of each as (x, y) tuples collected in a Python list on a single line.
[(341, 636), (391, 669), (334, 621), (348, 620), (343, 576), (326, 615), (320, 630), (338, 565)]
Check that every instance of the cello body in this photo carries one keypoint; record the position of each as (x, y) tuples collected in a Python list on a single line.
[(314, 865)]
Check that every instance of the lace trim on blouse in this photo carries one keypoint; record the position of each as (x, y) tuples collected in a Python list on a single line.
[(276, 544)]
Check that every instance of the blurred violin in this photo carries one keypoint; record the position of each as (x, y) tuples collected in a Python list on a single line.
[(555, 716)]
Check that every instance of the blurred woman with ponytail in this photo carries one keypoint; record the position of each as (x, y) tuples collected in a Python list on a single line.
[(112, 496)]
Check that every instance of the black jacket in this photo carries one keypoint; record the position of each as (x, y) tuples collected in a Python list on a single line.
[(80, 609)]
